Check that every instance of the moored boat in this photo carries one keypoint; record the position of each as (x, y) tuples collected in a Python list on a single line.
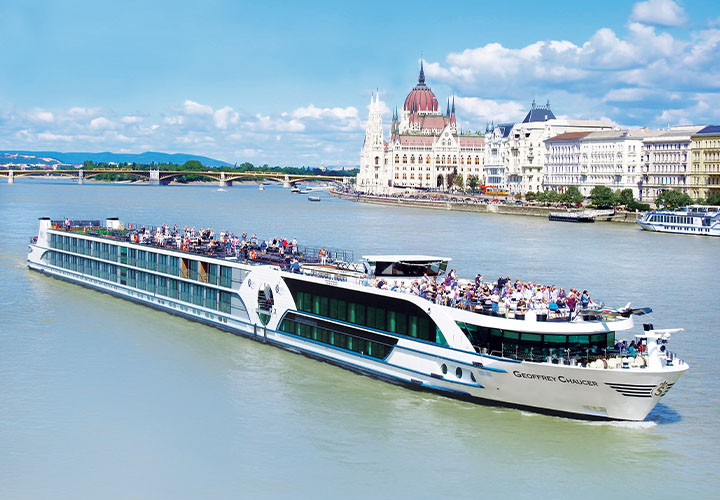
[(699, 220), (322, 303)]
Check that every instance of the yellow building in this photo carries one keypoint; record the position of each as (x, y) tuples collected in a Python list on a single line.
[(704, 178)]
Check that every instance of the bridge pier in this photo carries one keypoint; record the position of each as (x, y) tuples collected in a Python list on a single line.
[(286, 183), (223, 181), (154, 177), (81, 177), (11, 177)]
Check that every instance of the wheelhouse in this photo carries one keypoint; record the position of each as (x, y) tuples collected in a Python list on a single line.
[(406, 265)]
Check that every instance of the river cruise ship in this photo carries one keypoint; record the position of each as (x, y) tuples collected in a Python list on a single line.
[(319, 302), (694, 219)]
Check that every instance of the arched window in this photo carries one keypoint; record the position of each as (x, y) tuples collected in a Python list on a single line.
[(377, 159), (397, 159)]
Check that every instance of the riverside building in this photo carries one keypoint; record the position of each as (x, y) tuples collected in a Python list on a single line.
[(524, 149), (563, 167), (612, 158), (705, 170), (425, 149), (667, 162)]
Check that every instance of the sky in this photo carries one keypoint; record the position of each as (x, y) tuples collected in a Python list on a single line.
[(289, 83)]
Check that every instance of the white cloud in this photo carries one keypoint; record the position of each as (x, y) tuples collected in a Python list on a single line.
[(662, 12), (280, 124), (325, 113), (130, 119), (50, 137), (224, 117), (628, 76), (81, 112), (487, 109), (194, 108), (41, 116), (174, 120), (101, 123)]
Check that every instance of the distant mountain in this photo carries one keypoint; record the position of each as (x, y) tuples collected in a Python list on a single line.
[(55, 158)]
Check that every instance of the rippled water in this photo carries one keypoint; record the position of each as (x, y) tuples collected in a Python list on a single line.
[(102, 398)]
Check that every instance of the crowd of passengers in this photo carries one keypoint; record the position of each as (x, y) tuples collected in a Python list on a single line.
[(208, 241), (501, 297)]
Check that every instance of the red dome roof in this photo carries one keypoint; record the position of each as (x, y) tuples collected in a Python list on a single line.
[(421, 98)]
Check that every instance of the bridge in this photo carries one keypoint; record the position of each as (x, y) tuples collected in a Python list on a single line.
[(164, 177)]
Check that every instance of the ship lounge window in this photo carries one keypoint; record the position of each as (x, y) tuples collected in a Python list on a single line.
[(458, 372), (519, 345), (344, 337), (381, 313)]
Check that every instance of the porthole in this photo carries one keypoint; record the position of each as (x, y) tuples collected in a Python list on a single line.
[(444, 369), (458, 372), (472, 377)]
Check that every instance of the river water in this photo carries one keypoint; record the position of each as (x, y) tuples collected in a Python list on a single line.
[(103, 398)]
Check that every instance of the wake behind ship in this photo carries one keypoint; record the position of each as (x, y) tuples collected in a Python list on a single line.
[(390, 316)]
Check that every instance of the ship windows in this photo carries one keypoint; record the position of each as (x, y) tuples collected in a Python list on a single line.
[(458, 372), (444, 368), (381, 313), (375, 346), (533, 345)]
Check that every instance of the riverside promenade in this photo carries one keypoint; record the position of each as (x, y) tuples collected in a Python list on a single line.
[(473, 206)]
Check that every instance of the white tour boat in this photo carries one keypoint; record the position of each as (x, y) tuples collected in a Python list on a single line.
[(694, 219), (321, 304)]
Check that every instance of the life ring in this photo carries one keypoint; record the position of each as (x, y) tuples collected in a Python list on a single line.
[(253, 254), (184, 247), (135, 238)]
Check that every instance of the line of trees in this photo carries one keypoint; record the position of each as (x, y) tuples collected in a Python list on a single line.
[(571, 196), (605, 197), (196, 166)]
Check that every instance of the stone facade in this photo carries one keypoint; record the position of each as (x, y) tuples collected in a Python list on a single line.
[(667, 162), (705, 171), (522, 150)]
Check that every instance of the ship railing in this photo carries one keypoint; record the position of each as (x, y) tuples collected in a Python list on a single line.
[(568, 356), (60, 224)]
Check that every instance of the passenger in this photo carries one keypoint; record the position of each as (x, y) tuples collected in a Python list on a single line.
[(585, 299), (632, 350), (495, 301)]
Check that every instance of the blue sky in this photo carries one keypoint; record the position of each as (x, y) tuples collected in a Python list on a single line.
[(288, 83)]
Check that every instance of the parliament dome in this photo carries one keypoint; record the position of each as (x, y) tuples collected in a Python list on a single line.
[(421, 98)]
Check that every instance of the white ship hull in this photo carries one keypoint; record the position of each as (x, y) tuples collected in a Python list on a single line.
[(620, 393)]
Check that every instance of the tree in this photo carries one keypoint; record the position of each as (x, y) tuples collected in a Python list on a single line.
[(530, 196), (459, 181), (625, 197), (672, 199), (713, 199), (572, 196), (602, 197), (473, 182)]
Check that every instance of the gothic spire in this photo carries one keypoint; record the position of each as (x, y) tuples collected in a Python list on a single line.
[(421, 78), (453, 105)]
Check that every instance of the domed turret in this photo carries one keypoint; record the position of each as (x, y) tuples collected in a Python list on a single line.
[(421, 98)]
